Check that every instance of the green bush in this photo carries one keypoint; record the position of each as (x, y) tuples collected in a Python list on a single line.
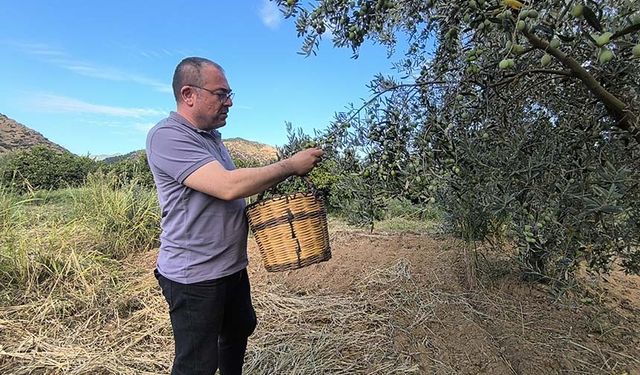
[(246, 163), (41, 167), (132, 168), (357, 200), (404, 208), (322, 178)]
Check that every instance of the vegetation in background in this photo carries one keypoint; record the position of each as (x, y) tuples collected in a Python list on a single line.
[(133, 168), (124, 214), (322, 178), (42, 167), (349, 194), (522, 127)]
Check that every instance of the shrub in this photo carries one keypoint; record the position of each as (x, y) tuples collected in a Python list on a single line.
[(134, 168), (41, 167)]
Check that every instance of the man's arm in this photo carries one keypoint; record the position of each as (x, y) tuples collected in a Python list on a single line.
[(213, 179)]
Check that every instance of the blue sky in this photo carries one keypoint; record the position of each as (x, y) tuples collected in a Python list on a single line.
[(95, 76)]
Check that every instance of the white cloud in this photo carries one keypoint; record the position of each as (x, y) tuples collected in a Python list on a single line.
[(39, 49), (110, 74), (56, 103), (270, 14), (63, 60)]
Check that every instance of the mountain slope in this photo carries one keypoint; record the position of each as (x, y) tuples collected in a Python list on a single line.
[(15, 136), (243, 149)]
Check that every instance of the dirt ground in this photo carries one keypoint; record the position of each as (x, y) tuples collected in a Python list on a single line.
[(469, 320), (384, 304)]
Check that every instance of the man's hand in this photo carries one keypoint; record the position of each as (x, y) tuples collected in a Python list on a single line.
[(304, 161)]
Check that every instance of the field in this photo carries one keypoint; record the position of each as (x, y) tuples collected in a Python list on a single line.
[(497, 159), (388, 302)]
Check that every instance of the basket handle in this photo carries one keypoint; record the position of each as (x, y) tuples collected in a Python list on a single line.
[(306, 179)]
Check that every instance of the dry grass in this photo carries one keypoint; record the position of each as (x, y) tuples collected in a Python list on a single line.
[(120, 328), (333, 333), (125, 330), (406, 306)]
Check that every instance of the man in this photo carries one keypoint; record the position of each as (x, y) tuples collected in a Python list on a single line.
[(201, 266)]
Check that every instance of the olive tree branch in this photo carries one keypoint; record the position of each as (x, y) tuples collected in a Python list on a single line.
[(625, 31), (525, 72), (392, 88), (625, 118)]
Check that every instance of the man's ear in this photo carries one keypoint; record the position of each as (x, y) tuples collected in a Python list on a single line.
[(187, 93)]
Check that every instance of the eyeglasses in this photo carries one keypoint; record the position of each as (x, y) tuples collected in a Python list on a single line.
[(223, 96)]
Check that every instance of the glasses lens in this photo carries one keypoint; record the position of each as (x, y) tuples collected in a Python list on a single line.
[(224, 96)]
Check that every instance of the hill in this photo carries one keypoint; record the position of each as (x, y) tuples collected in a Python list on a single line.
[(239, 148), (243, 149), (15, 136)]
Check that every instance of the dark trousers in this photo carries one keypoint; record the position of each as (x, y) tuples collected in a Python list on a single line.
[(211, 322)]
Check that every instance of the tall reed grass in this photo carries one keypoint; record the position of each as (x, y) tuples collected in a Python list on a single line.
[(124, 214), (10, 217), (72, 236), (41, 258)]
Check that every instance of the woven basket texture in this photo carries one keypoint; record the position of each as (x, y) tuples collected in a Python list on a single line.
[(291, 231)]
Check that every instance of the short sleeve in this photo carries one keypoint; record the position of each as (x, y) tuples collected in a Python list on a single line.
[(176, 153)]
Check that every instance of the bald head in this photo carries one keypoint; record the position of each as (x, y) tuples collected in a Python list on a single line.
[(190, 72)]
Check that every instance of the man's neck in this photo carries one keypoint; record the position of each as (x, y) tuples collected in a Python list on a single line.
[(187, 115)]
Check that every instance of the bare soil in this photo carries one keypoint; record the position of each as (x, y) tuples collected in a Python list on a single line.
[(480, 317), (384, 304)]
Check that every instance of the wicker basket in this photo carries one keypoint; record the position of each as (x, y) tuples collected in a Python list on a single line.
[(291, 231)]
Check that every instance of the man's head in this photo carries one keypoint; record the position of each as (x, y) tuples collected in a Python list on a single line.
[(202, 92)]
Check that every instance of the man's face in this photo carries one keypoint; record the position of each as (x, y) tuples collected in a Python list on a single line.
[(212, 102)]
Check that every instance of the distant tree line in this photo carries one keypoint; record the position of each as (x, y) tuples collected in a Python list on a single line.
[(45, 168)]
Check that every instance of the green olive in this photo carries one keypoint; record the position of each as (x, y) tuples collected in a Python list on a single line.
[(605, 55), (577, 10), (546, 59), (603, 39), (518, 49)]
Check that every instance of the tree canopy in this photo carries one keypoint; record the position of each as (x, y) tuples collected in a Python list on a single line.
[(519, 118)]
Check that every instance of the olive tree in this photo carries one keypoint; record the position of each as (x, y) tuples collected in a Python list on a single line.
[(520, 118)]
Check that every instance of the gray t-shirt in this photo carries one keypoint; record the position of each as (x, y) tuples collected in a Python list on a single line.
[(203, 237)]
